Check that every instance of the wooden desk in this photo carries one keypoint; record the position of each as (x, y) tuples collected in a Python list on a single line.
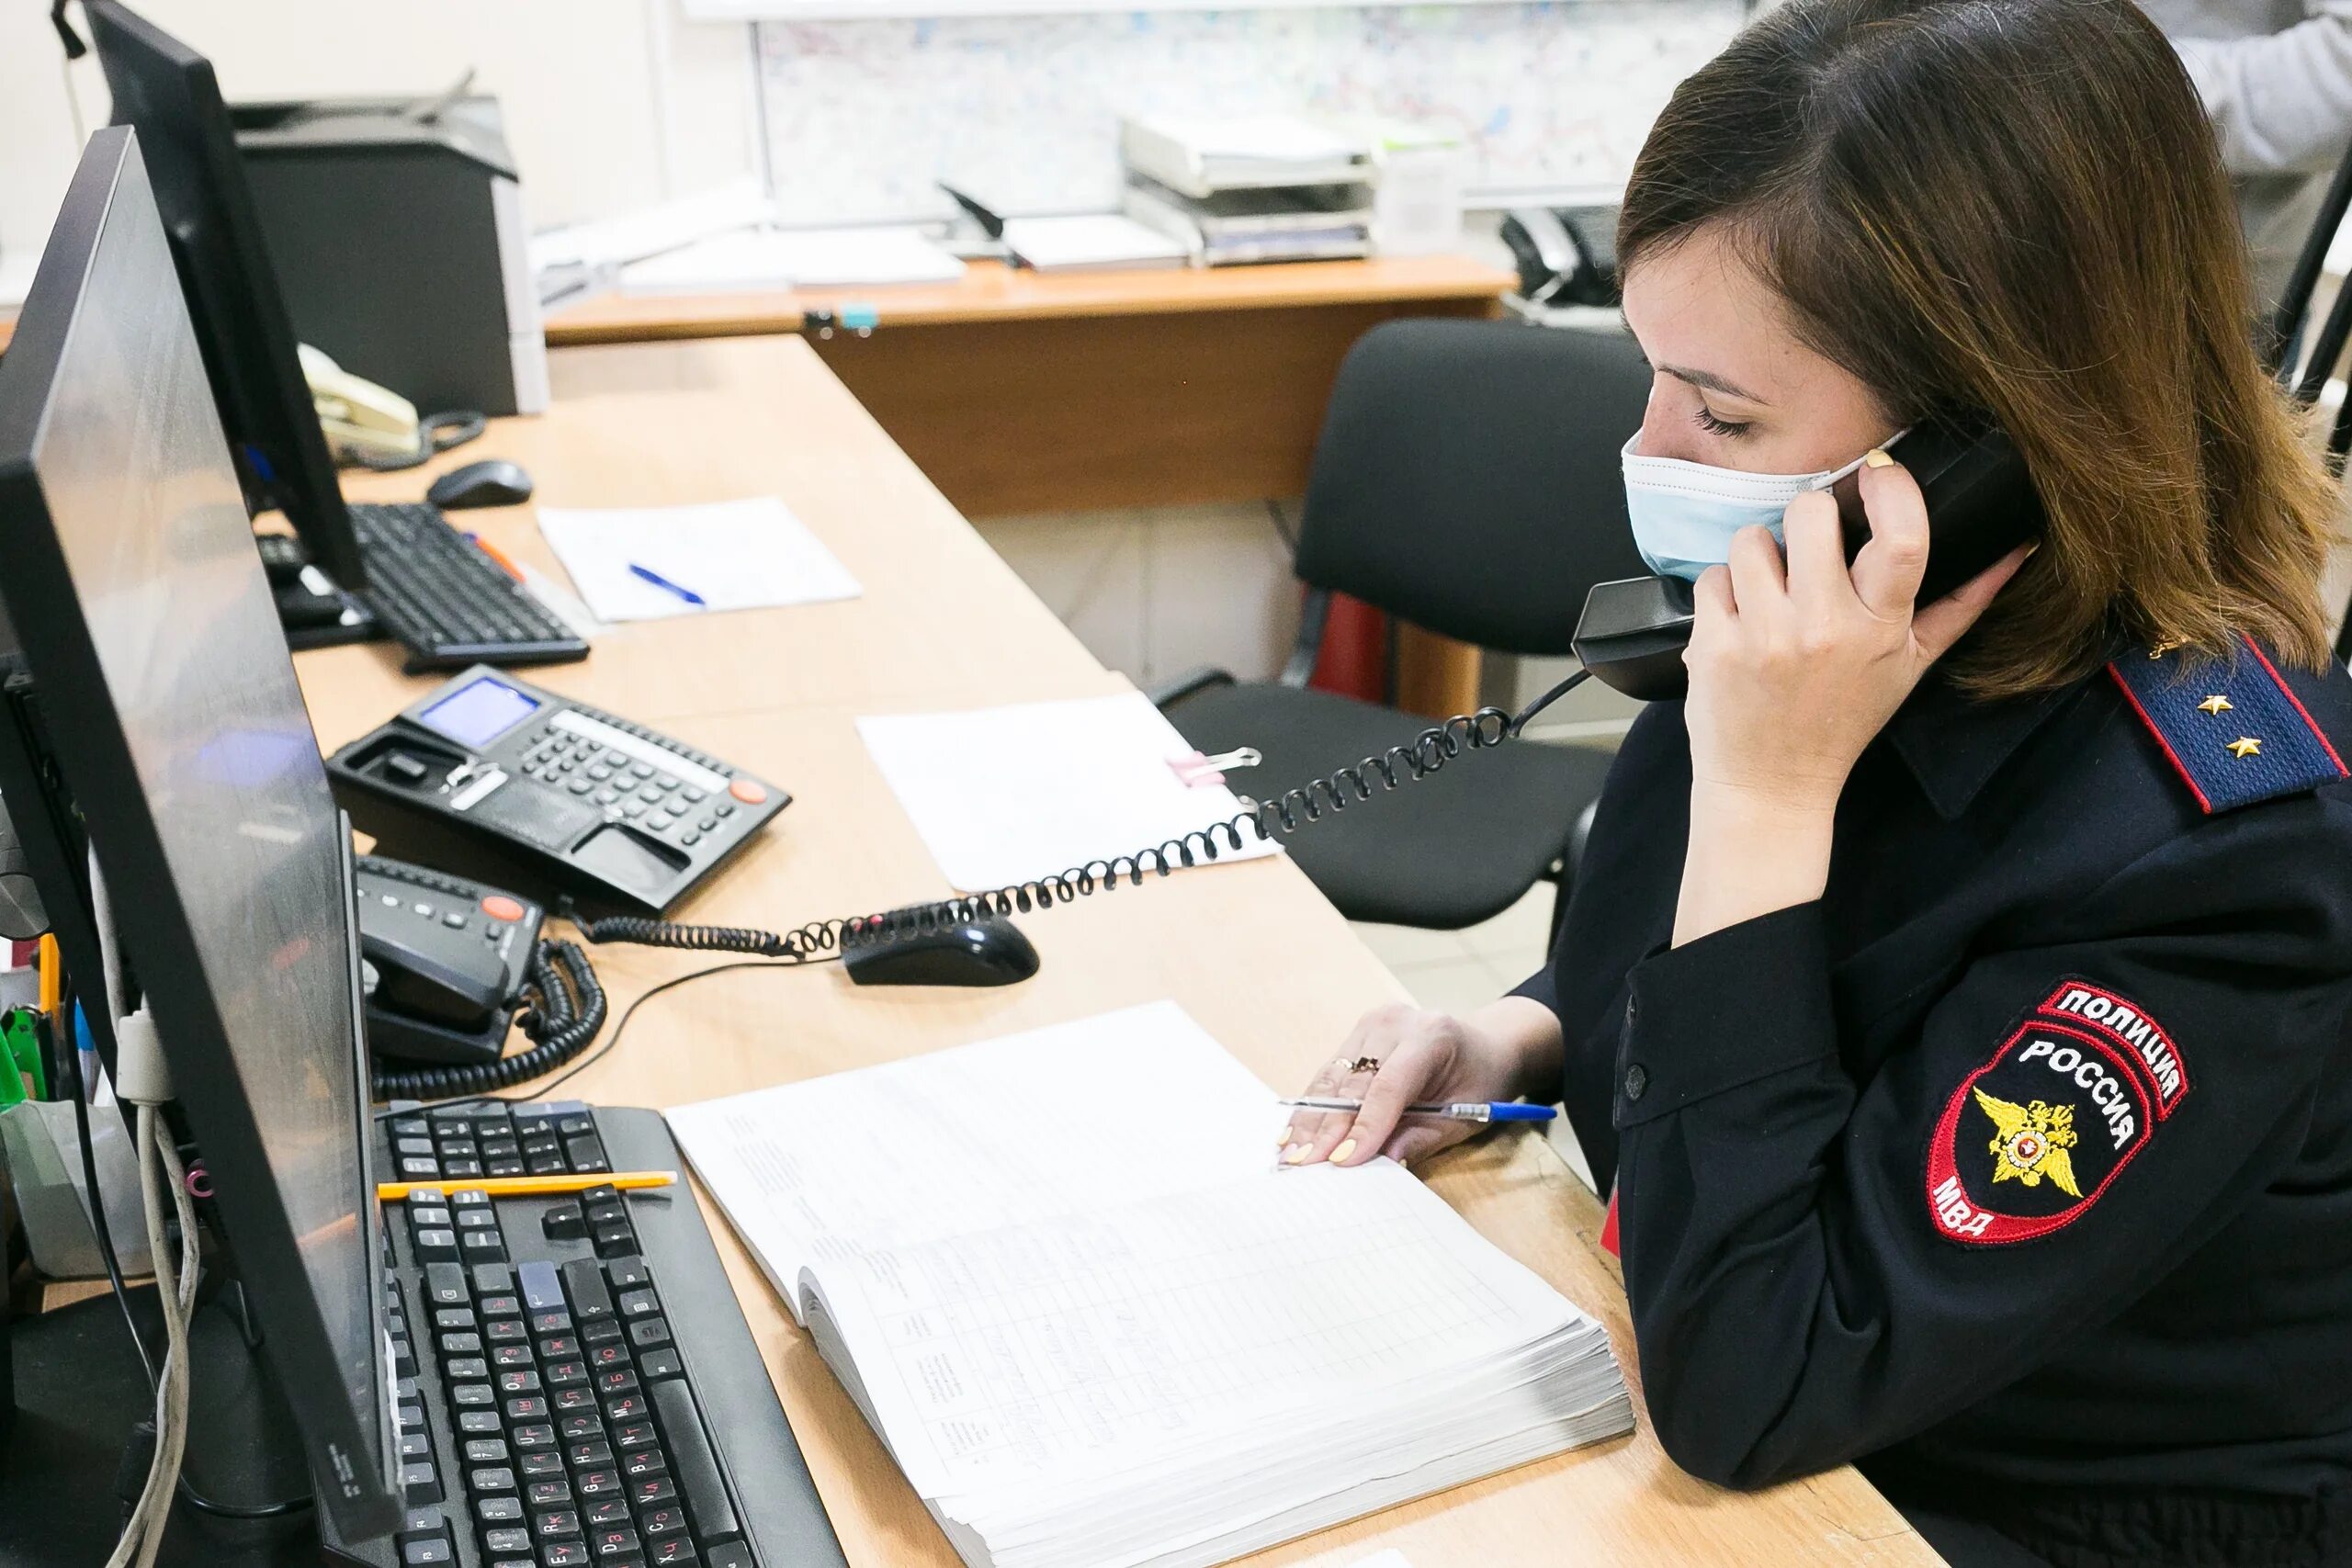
[(1250, 949), (1017, 391)]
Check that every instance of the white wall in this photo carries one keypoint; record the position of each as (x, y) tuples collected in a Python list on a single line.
[(595, 119)]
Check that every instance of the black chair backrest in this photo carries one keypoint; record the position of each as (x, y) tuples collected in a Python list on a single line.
[(1467, 478)]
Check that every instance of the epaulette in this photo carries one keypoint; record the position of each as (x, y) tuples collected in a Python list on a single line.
[(2236, 732)]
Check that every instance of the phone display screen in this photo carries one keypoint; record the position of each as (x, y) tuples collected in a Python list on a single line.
[(479, 711)]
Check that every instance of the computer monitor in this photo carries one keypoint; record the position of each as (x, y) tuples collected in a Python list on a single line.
[(169, 714), (167, 91)]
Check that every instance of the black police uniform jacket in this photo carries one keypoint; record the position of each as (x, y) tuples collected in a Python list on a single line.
[(2019, 1166)]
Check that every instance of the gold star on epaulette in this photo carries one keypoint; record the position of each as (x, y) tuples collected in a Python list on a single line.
[(2244, 745), (2216, 703)]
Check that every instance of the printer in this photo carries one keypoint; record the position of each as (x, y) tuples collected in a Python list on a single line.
[(396, 230)]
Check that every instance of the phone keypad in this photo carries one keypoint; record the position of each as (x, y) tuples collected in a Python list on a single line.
[(627, 788)]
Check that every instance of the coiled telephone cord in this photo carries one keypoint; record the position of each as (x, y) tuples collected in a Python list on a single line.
[(1280, 816), (563, 1007)]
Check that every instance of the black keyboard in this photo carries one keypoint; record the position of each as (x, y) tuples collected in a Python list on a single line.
[(575, 1386), (436, 590)]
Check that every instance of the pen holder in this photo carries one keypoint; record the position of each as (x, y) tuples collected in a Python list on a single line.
[(42, 1154)]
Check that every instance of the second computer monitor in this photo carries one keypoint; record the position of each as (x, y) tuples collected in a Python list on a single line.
[(167, 91)]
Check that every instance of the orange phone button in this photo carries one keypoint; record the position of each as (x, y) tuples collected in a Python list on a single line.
[(499, 907), (747, 792)]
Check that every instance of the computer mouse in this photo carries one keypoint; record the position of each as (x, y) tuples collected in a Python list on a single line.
[(494, 481), (968, 952)]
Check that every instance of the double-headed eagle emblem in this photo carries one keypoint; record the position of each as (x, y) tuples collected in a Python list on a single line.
[(2031, 1142)]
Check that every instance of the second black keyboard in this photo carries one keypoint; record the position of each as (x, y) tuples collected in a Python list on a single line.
[(436, 591), (575, 1386)]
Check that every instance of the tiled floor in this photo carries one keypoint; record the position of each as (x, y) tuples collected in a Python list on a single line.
[(1456, 971)]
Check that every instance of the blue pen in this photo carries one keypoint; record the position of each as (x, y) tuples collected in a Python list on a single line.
[(1459, 1111), (655, 578)]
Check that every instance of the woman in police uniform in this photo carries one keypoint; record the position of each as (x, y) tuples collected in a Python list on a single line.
[(1956, 995)]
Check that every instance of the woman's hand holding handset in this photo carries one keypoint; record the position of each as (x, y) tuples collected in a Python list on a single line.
[(1505, 1050), (1796, 663)]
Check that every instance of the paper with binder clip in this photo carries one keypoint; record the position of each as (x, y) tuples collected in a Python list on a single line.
[(1001, 796)]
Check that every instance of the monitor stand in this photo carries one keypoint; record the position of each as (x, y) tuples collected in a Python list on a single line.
[(328, 619), (79, 1393)]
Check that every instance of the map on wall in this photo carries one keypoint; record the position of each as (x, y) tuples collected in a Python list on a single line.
[(864, 117)]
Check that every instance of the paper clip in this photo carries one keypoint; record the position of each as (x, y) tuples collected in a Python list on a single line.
[(1195, 770)]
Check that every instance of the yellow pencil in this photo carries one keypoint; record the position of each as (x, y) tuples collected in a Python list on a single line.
[(528, 1186), (52, 979)]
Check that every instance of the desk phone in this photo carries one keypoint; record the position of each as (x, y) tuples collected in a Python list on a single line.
[(443, 960), (494, 776)]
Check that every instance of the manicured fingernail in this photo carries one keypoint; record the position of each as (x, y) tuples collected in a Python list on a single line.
[(1339, 1155), (1876, 458), (1296, 1153)]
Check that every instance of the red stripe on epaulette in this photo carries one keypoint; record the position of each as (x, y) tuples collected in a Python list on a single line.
[(2154, 728), (2288, 692)]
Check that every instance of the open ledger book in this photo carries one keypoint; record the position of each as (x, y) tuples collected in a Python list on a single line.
[(1094, 1324)]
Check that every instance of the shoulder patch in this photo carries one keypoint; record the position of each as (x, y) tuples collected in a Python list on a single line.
[(2031, 1139), (2236, 735)]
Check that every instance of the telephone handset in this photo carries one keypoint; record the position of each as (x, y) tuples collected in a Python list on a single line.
[(443, 961), (375, 427), (358, 415), (1981, 505)]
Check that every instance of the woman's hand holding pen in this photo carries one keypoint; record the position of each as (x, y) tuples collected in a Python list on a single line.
[(1502, 1051)]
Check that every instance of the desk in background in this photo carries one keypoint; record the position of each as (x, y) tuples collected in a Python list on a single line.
[(1018, 392), (1250, 949)]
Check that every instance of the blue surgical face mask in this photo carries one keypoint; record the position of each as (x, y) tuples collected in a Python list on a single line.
[(1684, 514)]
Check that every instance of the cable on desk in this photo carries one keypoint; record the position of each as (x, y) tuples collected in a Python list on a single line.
[(1285, 814), (540, 1090), (564, 1006)]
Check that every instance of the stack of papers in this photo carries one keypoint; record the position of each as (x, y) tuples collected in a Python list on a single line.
[(1097, 242), (585, 256), (1168, 1356), (1202, 156), (1232, 227), (731, 554), (785, 258), (1001, 795)]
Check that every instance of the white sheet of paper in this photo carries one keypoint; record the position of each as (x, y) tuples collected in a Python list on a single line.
[(1088, 239), (1001, 795), (738, 555), (909, 1151), (1392, 1558)]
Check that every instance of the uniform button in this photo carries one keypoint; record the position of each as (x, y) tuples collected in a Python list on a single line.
[(1637, 1081), (747, 792), (499, 907)]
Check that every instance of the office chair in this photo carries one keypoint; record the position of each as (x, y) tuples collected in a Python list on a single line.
[(2281, 340), (1466, 480)]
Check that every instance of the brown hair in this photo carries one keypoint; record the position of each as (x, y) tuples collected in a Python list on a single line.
[(2017, 207)]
